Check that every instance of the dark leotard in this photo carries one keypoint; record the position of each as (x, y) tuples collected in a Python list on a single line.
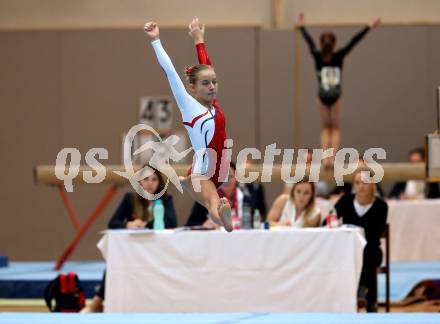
[(329, 73)]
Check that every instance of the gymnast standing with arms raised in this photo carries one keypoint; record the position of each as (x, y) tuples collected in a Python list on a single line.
[(205, 124), (328, 64)]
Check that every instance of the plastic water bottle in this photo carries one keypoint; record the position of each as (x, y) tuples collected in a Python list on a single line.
[(236, 222), (257, 219), (159, 215), (332, 219), (247, 216)]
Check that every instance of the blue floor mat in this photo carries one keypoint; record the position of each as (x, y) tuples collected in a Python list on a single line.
[(28, 279), (223, 318), (405, 276)]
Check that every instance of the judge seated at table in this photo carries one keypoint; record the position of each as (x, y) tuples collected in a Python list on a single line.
[(297, 208), (413, 189), (363, 208), (135, 212)]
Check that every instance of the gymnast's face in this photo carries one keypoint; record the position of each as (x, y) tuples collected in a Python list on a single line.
[(302, 194), (150, 184), (205, 88)]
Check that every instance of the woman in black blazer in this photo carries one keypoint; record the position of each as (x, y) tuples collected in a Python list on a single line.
[(365, 209)]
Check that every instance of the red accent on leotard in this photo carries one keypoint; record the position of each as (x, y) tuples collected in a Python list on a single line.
[(218, 140), (202, 54), (191, 124)]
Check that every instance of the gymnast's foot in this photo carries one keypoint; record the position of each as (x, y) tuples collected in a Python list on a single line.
[(224, 211)]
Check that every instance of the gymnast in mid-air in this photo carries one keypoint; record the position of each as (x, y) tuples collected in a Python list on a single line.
[(328, 64), (204, 122)]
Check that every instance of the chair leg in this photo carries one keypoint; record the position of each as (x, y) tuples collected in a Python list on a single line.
[(388, 268)]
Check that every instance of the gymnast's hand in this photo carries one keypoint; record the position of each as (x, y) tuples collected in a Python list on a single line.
[(375, 23), (137, 223), (300, 22), (196, 31), (152, 30)]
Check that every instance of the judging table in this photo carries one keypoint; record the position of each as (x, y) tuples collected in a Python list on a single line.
[(414, 228), (289, 270)]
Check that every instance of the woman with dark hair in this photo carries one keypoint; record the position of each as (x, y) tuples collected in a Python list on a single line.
[(328, 64), (137, 212), (365, 209), (205, 125), (133, 212)]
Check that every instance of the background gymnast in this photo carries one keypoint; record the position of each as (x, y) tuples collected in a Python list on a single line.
[(328, 64), (205, 124)]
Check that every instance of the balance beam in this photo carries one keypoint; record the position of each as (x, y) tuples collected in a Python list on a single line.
[(393, 172)]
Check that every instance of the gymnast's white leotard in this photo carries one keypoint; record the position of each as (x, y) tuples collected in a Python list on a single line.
[(206, 128)]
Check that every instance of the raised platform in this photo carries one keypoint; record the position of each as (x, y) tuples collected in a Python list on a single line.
[(29, 279), (4, 262)]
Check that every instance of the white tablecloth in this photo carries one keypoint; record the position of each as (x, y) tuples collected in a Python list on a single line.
[(414, 230), (312, 270)]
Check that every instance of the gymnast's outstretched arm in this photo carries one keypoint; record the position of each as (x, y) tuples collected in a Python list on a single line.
[(197, 32), (184, 100), (306, 35), (356, 39), (359, 36)]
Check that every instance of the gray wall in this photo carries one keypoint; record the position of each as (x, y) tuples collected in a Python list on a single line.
[(80, 89)]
